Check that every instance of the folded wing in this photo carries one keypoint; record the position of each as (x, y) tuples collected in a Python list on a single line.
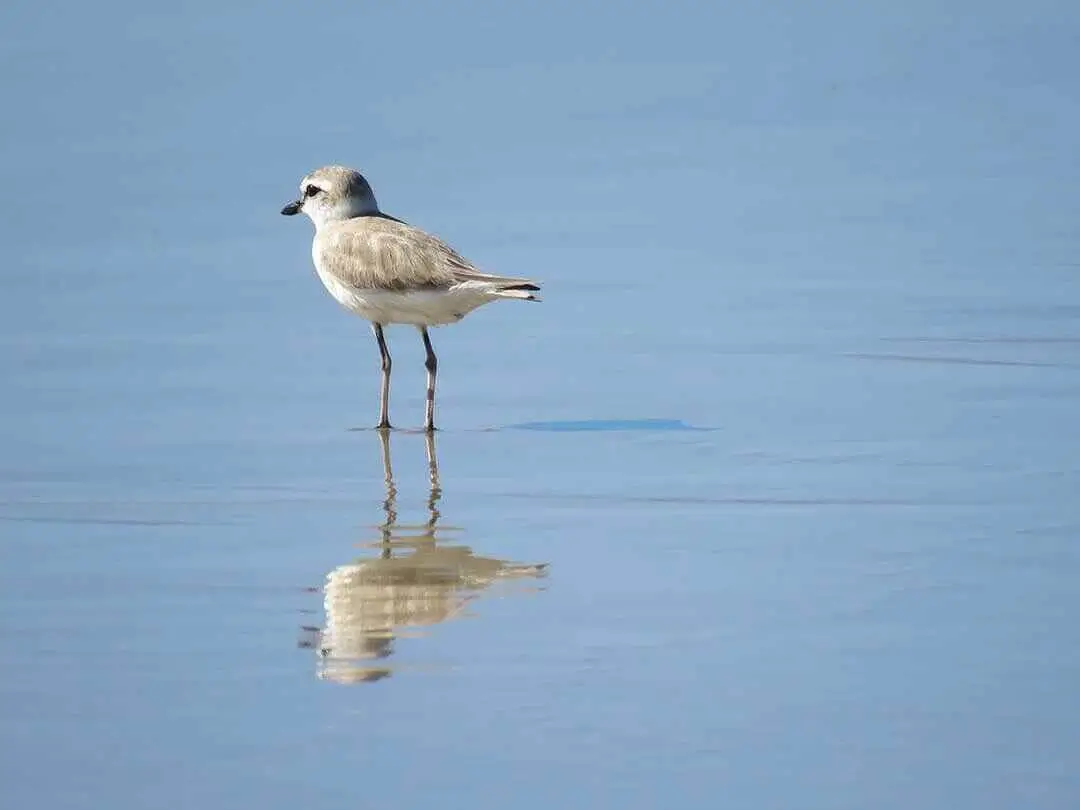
[(387, 254)]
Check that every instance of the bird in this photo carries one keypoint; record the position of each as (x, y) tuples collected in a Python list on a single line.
[(389, 272)]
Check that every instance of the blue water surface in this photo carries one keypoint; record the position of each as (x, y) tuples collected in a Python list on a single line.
[(772, 503)]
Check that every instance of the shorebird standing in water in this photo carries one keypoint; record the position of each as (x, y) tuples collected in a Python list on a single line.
[(389, 272)]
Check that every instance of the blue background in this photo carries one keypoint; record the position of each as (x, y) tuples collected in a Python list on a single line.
[(802, 401)]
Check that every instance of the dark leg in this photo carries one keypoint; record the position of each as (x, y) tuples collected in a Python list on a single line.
[(384, 394), (432, 365)]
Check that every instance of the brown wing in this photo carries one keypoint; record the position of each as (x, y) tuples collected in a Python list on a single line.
[(387, 254)]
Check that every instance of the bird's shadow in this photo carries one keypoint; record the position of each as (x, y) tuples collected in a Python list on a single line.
[(605, 425)]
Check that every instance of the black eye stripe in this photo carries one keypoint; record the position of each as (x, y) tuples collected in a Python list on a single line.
[(311, 191)]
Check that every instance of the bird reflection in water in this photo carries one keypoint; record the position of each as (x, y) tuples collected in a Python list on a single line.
[(415, 582)]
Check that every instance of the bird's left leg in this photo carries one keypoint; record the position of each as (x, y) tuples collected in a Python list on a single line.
[(432, 365)]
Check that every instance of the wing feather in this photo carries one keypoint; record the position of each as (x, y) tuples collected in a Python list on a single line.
[(387, 254)]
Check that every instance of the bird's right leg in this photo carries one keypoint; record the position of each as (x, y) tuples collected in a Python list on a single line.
[(384, 394)]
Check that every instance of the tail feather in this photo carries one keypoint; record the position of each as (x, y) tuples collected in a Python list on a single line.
[(507, 287), (501, 286), (524, 292), (520, 289), (498, 286)]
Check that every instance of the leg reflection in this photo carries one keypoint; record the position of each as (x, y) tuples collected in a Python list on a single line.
[(390, 501), (433, 481), (416, 581)]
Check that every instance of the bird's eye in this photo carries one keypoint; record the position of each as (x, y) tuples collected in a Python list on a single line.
[(311, 191)]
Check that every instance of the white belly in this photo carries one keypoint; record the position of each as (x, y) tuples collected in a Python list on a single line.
[(418, 307)]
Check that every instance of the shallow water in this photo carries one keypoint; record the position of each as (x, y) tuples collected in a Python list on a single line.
[(771, 503)]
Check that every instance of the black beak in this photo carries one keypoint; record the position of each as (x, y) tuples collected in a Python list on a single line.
[(292, 208)]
